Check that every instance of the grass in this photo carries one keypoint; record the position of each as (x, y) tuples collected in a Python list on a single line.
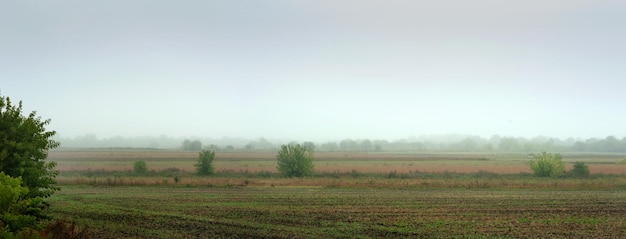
[(320, 212), (158, 160), (351, 195), (361, 180)]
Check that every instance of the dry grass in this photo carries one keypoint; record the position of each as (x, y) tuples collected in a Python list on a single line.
[(445, 180), (324, 162)]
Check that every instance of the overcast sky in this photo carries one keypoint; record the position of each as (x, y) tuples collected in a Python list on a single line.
[(318, 69)]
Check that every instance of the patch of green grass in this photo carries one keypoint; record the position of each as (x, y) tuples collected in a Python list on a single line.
[(313, 212)]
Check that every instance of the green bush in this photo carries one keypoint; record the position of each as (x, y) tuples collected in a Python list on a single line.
[(295, 161), (16, 210), (140, 167), (547, 165), (580, 170), (24, 145), (10, 191), (204, 167)]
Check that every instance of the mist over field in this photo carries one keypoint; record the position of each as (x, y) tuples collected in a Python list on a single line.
[(321, 71)]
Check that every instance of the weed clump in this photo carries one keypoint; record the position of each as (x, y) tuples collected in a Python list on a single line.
[(580, 170), (547, 165)]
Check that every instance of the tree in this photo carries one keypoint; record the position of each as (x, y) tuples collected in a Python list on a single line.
[(580, 170), (140, 167), (348, 145), (309, 145), (509, 144), (547, 165), (189, 145), (204, 167), (295, 161), (14, 206), (366, 145), (329, 146), (24, 145)]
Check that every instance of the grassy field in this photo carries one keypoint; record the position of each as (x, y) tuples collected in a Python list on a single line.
[(352, 195), (109, 160), (314, 212)]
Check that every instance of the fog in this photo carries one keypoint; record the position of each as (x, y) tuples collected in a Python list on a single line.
[(318, 70)]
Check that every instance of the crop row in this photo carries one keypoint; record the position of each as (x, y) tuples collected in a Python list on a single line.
[(311, 212)]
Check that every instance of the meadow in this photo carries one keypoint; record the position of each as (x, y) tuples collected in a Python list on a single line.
[(352, 195)]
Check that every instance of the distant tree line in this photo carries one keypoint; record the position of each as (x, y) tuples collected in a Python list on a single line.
[(450, 143), (458, 144)]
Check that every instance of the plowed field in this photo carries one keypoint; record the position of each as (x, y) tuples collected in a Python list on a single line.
[(312, 212)]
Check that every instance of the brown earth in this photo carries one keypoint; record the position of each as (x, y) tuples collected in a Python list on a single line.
[(326, 162)]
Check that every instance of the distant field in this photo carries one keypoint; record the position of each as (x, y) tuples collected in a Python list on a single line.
[(352, 195), (109, 160), (314, 212)]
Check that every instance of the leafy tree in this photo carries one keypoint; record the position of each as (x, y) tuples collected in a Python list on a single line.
[(189, 145), (348, 145), (509, 144), (204, 167), (212, 147), (263, 143), (329, 146), (24, 145), (15, 210), (11, 190), (547, 165), (580, 169), (366, 145), (309, 145), (295, 161), (140, 167)]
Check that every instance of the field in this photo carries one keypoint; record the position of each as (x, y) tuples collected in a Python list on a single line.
[(352, 195), (108, 160), (312, 212)]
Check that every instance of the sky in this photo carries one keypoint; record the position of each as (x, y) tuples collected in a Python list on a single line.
[(318, 69)]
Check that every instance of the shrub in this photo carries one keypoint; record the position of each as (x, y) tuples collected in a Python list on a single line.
[(204, 167), (580, 170), (16, 210), (547, 165), (140, 167), (295, 161)]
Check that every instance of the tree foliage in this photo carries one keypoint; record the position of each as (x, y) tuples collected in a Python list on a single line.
[(204, 167), (295, 161), (24, 145), (11, 190), (15, 210), (580, 170), (547, 165), (189, 145), (140, 167), (309, 145)]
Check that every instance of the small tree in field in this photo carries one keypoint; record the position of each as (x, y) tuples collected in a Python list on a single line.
[(140, 167), (204, 167), (295, 161), (547, 165), (579, 170)]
